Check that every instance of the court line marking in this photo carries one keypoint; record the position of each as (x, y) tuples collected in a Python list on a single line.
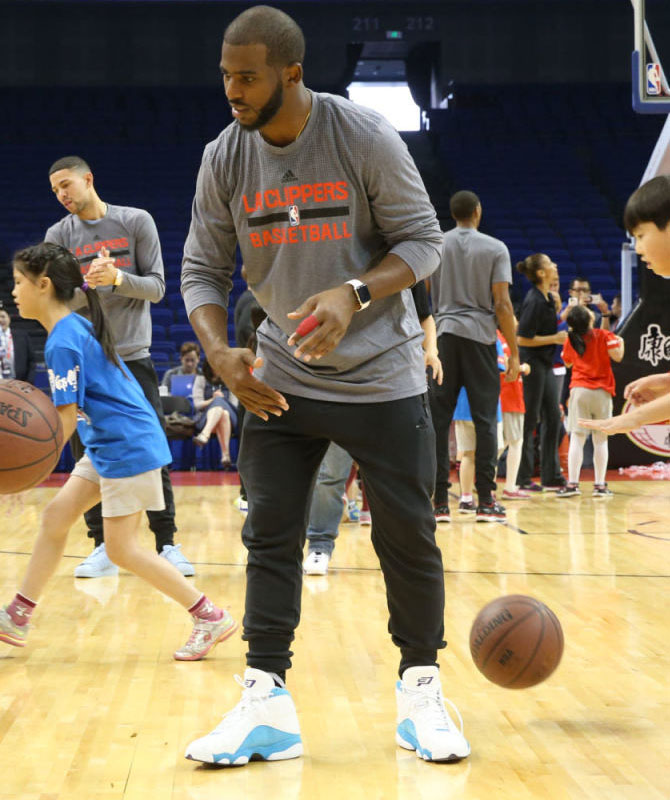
[(648, 535), (446, 571)]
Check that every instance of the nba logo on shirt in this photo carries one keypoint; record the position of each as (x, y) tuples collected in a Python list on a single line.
[(293, 216), (654, 79)]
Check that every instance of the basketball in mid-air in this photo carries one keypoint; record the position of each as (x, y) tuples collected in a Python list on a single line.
[(516, 641), (31, 436)]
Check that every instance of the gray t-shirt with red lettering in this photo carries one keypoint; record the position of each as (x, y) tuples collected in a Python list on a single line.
[(131, 237), (308, 217)]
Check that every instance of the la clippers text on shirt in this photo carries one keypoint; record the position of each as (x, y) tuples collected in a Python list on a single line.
[(119, 250), (285, 205)]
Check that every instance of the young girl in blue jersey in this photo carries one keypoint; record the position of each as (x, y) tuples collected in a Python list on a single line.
[(125, 449)]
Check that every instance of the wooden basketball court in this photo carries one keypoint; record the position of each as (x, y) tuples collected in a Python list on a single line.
[(94, 707)]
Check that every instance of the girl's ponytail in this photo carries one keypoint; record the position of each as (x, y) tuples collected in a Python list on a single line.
[(579, 322), (100, 323)]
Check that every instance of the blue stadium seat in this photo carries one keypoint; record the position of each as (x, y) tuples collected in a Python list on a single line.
[(182, 333), (161, 315)]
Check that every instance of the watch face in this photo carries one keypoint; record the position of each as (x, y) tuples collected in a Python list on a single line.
[(363, 294)]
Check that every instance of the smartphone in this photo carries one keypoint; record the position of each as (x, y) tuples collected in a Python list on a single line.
[(572, 301), (596, 298)]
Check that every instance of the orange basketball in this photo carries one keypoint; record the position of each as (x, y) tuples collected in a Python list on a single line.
[(516, 641), (31, 436)]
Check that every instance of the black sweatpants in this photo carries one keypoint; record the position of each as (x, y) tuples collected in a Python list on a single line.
[(162, 523), (540, 396), (475, 366), (394, 446)]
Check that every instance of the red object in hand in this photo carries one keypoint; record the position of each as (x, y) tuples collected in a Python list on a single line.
[(307, 325)]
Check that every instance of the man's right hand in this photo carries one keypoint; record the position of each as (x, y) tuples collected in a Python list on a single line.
[(235, 365), (646, 389)]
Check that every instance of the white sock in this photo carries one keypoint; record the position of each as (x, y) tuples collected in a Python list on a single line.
[(600, 455), (513, 460), (575, 456)]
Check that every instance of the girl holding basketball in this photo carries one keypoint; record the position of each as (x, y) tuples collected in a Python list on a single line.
[(125, 449), (589, 351)]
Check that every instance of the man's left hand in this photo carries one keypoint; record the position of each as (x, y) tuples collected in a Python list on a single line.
[(432, 362), (102, 271), (513, 369), (334, 310)]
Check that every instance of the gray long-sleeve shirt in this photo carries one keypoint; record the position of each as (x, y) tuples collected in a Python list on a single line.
[(308, 217), (131, 237)]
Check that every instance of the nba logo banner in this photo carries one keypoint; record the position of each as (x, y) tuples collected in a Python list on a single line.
[(653, 79), (293, 216)]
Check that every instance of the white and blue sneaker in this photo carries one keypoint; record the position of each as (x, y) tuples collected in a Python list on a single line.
[(97, 565), (173, 554), (263, 725), (423, 722)]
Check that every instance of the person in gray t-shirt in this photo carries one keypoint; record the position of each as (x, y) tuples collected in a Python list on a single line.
[(120, 254), (469, 291), (335, 226)]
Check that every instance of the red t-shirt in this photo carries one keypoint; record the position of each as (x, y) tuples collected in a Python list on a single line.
[(511, 393), (593, 370)]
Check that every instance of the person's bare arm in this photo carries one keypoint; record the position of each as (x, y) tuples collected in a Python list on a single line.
[(541, 341), (68, 418), (656, 411), (334, 308), (507, 324)]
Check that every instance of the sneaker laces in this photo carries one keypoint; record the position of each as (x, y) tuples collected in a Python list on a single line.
[(200, 630), (249, 701), (98, 552), (431, 706)]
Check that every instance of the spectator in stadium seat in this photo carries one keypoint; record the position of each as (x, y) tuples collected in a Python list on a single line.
[(17, 356), (615, 313), (580, 292), (216, 410), (189, 355)]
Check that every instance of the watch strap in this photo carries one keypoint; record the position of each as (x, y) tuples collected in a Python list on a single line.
[(361, 292)]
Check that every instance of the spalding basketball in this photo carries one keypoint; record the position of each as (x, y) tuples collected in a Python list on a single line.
[(31, 436), (516, 641)]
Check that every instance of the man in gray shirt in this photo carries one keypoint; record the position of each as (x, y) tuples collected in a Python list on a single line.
[(334, 226), (469, 290), (120, 254)]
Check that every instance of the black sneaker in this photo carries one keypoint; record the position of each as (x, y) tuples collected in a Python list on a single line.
[(442, 514), (491, 512), (569, 490), (601, 490), (467, 507)]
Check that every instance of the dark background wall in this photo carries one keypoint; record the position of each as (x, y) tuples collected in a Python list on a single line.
[(177, 43)]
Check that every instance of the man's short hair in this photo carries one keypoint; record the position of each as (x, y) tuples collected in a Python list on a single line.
[(649, 203), (463, 205), (579, 279), (273, 28), (69, 162)]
